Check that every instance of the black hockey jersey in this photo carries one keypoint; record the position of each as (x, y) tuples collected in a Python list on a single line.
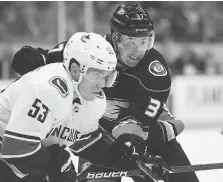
[(143, 90)]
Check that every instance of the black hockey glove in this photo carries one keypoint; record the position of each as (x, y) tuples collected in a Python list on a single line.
[(157, 165), (60, 167), (27, 59), (129, 145)]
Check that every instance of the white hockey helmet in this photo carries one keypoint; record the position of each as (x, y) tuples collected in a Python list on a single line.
[(90, 50)]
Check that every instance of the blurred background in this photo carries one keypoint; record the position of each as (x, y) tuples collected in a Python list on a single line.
[(189, 35)]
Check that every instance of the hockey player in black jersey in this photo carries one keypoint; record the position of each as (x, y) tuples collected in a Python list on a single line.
[(140, 90)]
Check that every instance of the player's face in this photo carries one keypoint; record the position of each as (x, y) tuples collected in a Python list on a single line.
[(92, 83), (132, 49)]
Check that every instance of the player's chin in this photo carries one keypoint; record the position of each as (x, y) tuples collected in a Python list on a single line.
[(132, 63), (91, 96)]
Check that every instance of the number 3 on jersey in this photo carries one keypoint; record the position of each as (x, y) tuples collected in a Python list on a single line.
[(153, 108)]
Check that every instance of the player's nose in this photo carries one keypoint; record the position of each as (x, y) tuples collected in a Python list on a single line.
[(135, 48)]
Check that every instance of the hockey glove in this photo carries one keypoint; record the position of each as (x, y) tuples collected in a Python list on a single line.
[(157, 165), (129, 145), (27, 59), (60, 167)]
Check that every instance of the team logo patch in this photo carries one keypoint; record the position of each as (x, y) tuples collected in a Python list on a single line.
[(85, 38), (60, 84), (157, 69)]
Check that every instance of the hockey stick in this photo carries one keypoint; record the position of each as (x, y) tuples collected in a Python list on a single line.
[(141, 165), (138, 172), (195, 167)]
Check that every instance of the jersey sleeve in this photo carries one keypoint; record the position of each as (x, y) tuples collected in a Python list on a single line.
[(28, 58), (29, 123), (169, 125), (56, 54)]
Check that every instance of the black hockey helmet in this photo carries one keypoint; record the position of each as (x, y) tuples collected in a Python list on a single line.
[(131, 30), (132, 20)]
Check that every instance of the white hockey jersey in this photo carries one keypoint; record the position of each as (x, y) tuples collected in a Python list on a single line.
[(40, 109)]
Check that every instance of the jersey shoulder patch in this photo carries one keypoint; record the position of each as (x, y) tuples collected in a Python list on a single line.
[(157, 69), (60, 84)]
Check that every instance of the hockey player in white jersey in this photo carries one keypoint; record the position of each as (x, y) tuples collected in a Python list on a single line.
[(52, 107)]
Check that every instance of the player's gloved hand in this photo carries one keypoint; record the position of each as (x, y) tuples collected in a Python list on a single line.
[(60, 167), (130, 145), (156, 160), (27, 59), (158, 166)]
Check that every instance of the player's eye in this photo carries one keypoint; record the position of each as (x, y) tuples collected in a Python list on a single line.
[(99, 74), (143, 42)]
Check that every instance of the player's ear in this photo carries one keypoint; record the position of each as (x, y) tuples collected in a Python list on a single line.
[(74, 69)]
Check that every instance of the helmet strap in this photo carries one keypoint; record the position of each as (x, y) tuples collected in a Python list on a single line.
[(76, 90)]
